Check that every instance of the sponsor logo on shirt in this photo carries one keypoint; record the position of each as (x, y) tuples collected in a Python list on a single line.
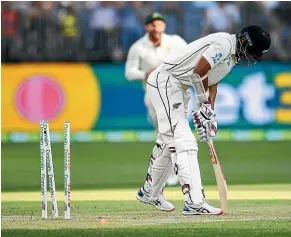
[(216, 58)]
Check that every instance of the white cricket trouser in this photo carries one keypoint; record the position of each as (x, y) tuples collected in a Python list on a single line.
[(151, 110), (168, 100)]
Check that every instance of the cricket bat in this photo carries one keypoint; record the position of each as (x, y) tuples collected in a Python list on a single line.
[(220, 180)]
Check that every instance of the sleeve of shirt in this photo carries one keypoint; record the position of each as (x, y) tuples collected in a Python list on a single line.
[(218, 50), (132, 66)]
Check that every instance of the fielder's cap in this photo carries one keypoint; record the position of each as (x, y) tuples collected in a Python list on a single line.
[(259, 40), (154, 16)]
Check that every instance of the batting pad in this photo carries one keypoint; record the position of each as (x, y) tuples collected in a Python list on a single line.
[(189, 172), (161, 170)]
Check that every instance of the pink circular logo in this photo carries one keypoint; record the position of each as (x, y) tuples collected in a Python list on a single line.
[(39, 98)]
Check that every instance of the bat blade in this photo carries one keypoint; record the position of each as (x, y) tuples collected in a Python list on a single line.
[(220, 180)]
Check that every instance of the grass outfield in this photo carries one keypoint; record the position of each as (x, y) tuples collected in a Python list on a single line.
[(131, 218), (103, 166), (105, 178), (272, 228)]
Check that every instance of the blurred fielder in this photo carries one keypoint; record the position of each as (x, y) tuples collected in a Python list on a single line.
[(201, 65), (144, 56)]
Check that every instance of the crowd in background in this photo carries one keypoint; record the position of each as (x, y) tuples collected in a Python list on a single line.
[(98, 31)]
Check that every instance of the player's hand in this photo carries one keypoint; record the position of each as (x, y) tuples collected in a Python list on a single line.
[(149, 72), (207, 130), (204, 113)]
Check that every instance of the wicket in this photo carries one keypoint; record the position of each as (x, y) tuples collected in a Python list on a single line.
[(67, 179), (46, 161)]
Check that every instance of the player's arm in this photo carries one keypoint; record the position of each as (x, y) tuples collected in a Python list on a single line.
[(214, 54), (212, 95), (132, 66), (204, 118), (199, 80)]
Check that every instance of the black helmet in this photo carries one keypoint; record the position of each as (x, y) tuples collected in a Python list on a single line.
[(252, 41)]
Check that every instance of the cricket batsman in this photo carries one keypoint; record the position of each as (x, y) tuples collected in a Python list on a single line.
[(201, 65), (144, 56)]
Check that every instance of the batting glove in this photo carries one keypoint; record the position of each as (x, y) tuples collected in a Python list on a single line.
[(207, 130), (205, 112)]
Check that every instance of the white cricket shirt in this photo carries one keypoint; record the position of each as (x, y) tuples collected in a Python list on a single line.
[(218, 49), (143, 55)]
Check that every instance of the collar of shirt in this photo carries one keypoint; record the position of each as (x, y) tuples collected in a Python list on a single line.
[(149, 43)]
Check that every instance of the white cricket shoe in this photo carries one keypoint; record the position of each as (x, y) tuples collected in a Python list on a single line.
[(202, 209), (143, 196), (161, 203)]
